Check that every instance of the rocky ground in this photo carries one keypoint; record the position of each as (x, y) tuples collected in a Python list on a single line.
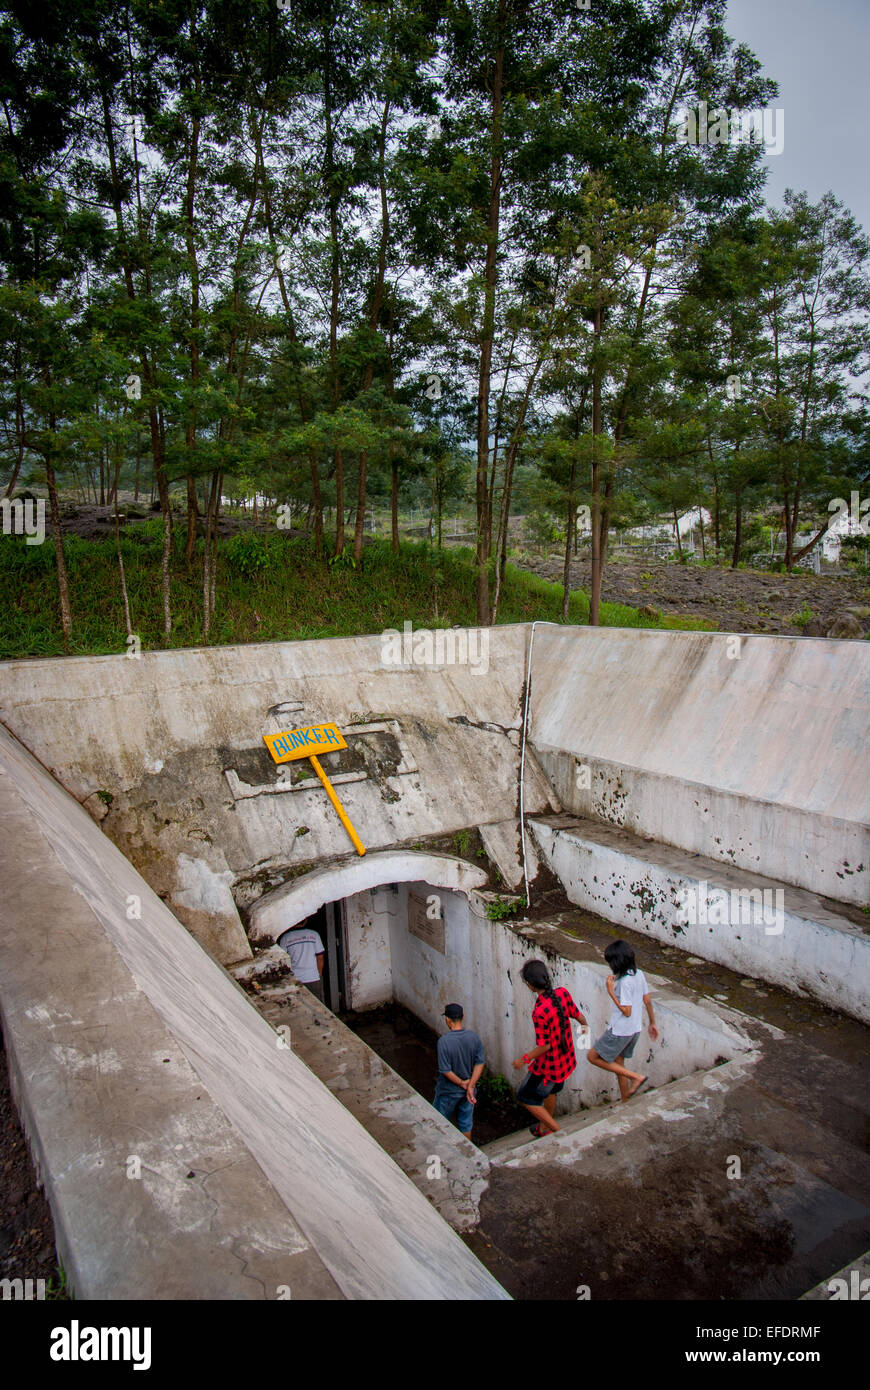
[(800, 604)]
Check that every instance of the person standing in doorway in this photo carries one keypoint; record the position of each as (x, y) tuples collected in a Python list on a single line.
[(629, 995), (305, 949), (552, 1060), (460, 1064)]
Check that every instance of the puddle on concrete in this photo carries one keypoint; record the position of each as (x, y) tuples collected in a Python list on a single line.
[(409, 1046)]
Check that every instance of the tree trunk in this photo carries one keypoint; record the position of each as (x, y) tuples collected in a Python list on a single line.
[(62, 580), (374, 315), (595, 581), (572, 529), (738, 530), (192, 518), (394, 499), (488, 332), (128, 625)]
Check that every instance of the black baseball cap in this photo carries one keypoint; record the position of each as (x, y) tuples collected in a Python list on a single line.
[(454, 1012)]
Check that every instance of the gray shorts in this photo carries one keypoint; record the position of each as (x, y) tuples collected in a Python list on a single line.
[(611, 1047)]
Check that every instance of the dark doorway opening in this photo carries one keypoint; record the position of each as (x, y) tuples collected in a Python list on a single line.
[(328, 922), (409, 1046), (334, 966)]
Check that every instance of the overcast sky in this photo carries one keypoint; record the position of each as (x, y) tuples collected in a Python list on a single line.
[(819, 53)]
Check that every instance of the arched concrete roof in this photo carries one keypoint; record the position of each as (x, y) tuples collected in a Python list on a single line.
[(292, 902)]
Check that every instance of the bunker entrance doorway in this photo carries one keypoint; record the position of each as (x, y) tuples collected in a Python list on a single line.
[(406, 950), (328, 922)]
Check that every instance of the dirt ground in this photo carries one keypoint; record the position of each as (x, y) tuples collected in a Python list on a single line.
[(26, 1229), (731, 600)]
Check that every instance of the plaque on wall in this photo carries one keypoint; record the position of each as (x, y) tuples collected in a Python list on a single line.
[(428, 929)]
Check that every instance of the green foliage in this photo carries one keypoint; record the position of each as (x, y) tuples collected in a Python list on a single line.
[(296, 597), (462, 842), (503, 907), (805, 616), (57, 1288), (344, 560), (247, 554), (495, 1089), (542, 529)]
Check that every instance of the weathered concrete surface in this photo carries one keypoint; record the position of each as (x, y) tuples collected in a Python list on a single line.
[(753, 759), (275, 912), (850, 1284), (403, 1122), (811, 951), (502, 844), (173, 740), (333, 1199), (102, 1083), (688, 1097)]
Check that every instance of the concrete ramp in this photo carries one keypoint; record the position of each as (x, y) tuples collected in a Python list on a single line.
[(132, 1052)]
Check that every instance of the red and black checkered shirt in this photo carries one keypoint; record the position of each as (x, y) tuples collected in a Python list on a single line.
[(558, 1062)]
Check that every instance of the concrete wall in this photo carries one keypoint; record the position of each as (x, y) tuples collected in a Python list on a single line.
[(368, 960), (480, 969), (127, 1039), (757, 760), (788, 937), (175, 740)]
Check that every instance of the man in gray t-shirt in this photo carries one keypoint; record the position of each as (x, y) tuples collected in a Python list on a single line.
[(460, 1063)]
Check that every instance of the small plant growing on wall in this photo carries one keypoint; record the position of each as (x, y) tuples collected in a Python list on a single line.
[(495, 1088), (462, 842), (502, 907)]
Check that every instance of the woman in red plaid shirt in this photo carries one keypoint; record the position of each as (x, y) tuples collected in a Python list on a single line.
[(552, 1060)]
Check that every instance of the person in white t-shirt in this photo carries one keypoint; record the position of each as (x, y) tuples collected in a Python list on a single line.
[(629, 996), (306, 952)]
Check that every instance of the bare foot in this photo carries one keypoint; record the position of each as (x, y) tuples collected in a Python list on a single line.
[(636, 1087)]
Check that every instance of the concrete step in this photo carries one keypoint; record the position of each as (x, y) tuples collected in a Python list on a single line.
[(569, 1124)]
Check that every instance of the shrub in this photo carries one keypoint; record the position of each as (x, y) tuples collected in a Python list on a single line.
[(247, 554)]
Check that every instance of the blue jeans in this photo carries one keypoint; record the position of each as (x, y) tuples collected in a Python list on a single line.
[(447, 1099)]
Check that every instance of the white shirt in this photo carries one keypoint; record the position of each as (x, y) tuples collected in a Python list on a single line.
[(629, 990), (303, 946)]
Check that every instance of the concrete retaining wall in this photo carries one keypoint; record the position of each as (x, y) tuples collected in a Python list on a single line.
[(167, 752), (480, 969), (751, 751), (804, 947)]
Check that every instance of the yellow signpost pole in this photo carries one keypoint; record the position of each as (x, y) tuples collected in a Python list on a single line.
[(342, 814), (307, 743)]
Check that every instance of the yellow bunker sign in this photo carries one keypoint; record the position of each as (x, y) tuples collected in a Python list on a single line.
[(301, 743), (307, 743)]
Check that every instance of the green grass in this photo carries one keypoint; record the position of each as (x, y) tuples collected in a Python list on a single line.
[(271, 588)]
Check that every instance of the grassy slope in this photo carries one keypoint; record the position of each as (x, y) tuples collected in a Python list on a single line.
[(291, 597)]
